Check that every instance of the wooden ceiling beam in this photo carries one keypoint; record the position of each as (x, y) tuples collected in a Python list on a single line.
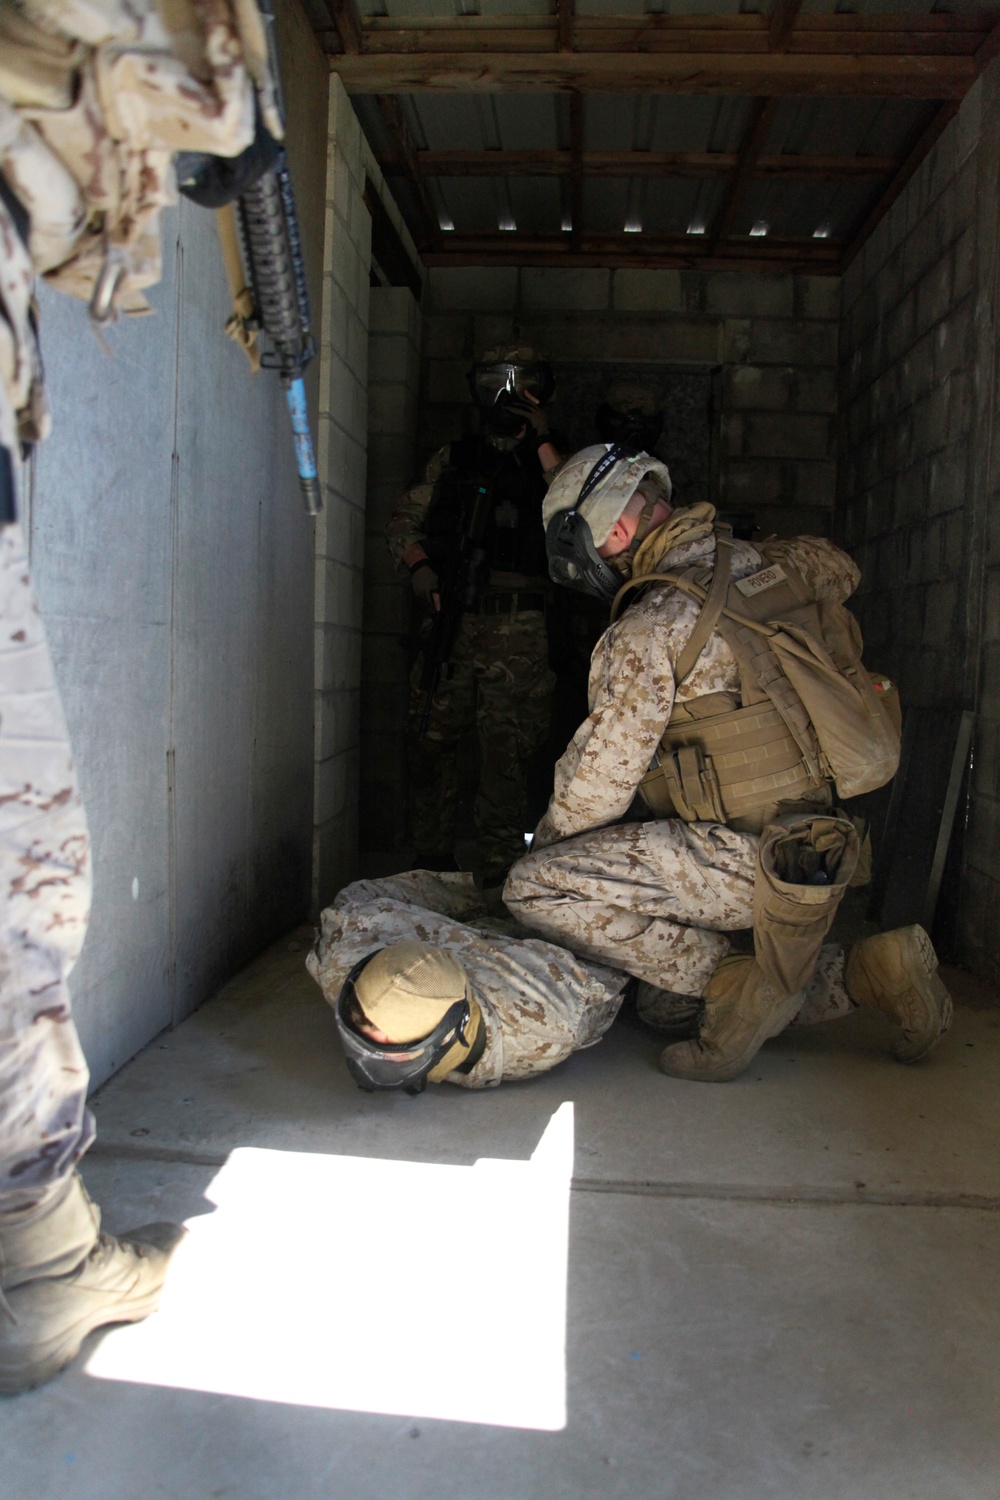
[(685, 164), (429, 233), (780, 74), (758, 129), (782, 23), (344, 14), (576, 166), (564, 25), (620, 251)]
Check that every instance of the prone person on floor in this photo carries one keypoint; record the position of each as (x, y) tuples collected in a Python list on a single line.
[(427, 988)]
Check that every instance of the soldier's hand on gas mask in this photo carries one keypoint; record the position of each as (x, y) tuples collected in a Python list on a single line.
[(534, 415), (426, 584)]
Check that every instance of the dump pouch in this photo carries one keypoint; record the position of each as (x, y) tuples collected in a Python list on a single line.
[(804, 865)]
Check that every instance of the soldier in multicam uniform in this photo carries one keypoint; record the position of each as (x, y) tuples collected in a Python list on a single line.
[(744, 839), (95, 97), (426, 987), (499, 679)]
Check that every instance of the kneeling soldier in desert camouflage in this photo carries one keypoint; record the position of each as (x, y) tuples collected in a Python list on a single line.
[(427, 988), (729, 694)]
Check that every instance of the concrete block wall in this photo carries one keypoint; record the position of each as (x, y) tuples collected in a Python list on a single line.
[(773, 340), (340, 532), (393, 399), (919, 502)]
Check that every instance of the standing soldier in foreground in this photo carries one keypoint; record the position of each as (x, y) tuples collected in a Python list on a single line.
[(94, 101), (494, 672), (730, 696)]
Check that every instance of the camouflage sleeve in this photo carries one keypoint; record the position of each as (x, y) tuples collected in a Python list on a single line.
[(631, 698), (406, 531), (828, 571)]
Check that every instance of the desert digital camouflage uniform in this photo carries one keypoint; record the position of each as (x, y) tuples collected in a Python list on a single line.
[(500, 683), (95, 96), (539, 1002), (657, 897)]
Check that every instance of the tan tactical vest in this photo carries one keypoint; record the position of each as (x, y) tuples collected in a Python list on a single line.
[(809, 715)]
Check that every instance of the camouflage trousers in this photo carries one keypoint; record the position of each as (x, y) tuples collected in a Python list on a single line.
[(501, 685), (45, 883), (656, 899)]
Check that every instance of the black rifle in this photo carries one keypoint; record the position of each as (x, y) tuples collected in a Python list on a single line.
[(259, 182), (460, 595)]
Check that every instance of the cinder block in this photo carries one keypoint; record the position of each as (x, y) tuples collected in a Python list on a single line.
[(816, 391), (752, 388), (748, 483), (934, 295), (776, 343), (386, 608), (732, 434), (953, 340), (743, 295), (356, 353), (788, 435), (390, 310), (900, 327), (387, 359), (966, 198), (955, 540), (851, 283), (792, 519), (817, 297), (447, 337), (490, 331), (815, 485), (960, 410), (339, 592), (627, 337), (344, 129), (338, 530), (919, 251), (391, 408), (478, 288), (337, 658), (392, 458), (336, 784), (335, 724), (447, 381), (963, 262), (969, 121), (915, 371), (553, 289), (334, 315), (648, 291)]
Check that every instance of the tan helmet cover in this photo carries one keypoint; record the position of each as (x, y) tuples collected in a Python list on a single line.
[(407, 989), (604, 504)]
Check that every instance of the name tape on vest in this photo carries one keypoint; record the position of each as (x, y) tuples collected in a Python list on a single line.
[(758, 582)]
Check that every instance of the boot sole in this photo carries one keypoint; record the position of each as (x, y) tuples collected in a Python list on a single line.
[(920, 968)]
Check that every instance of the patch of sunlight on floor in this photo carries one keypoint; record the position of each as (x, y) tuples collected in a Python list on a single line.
[(370, 1285)]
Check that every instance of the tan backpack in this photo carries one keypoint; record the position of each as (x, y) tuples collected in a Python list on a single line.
[(810, 713)]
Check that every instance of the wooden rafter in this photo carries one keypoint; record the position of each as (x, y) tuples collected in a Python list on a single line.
[(815, 257), (941, 117), (782, 23), (758, 129), (344, 14), (696, 164), (933, 34), (388, 248), (392, 116), (783, 74), (564, 25), (576, 166)]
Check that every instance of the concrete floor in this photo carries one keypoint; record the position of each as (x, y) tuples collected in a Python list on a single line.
[(786, 1286)]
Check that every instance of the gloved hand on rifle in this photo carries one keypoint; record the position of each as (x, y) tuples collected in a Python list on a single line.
[(426, 584)]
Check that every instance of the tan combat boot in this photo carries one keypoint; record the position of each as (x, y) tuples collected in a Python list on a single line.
[(60, 1278), (742, 1009), (896, 973)]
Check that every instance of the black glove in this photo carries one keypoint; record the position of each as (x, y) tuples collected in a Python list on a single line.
[(533, 414), (426, 584)]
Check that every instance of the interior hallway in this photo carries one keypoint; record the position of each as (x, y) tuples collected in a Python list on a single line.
[(785, 1286)]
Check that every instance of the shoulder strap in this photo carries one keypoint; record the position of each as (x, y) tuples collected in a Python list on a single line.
[(710, 610), (712, 600)]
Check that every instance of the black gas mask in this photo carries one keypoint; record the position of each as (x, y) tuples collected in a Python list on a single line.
[(629, 428), (500, 392), (396, 1065)]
